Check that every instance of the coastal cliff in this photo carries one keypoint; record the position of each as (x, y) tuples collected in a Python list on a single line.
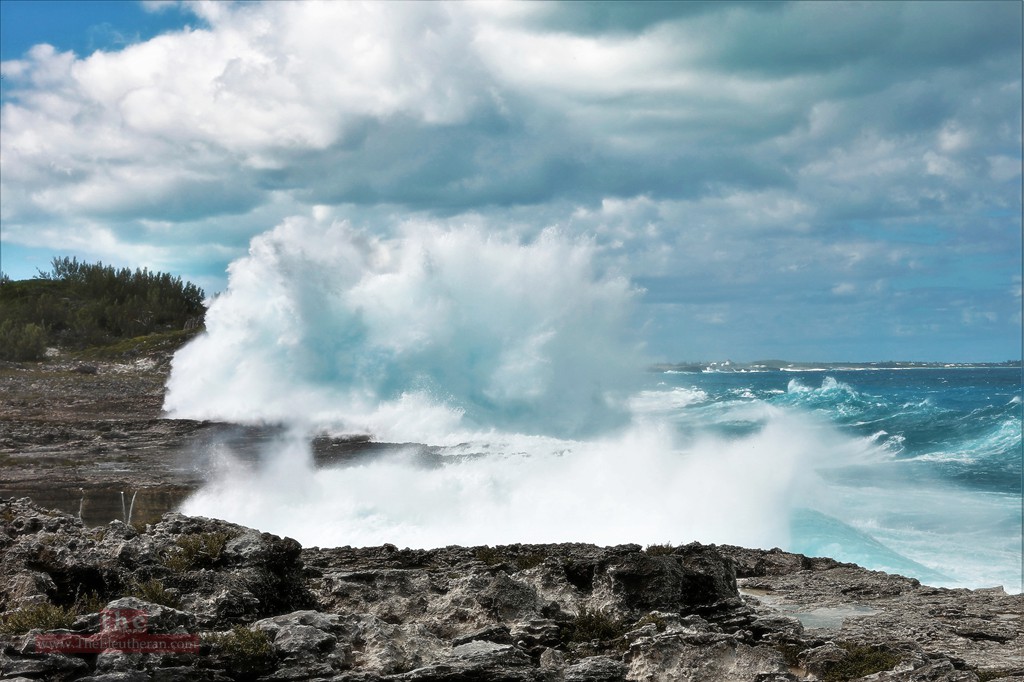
[(261, 607)]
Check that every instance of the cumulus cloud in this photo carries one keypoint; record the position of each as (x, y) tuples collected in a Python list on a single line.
[(714, 151)]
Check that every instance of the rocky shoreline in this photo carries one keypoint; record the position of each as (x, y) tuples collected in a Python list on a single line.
[(83, 439), (261, 607), (88, 437)]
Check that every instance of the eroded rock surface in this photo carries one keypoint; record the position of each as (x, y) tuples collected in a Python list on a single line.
[(266, 609)]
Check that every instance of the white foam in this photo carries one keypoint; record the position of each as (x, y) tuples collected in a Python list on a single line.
[(413, 337), (638, 486), (514, 358)]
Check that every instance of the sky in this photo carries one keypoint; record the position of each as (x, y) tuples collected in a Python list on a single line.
[(806, 181)]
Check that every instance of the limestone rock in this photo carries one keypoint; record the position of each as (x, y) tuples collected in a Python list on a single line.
[(519, 613), (596, 669)]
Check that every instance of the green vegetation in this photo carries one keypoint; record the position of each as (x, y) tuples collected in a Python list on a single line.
[(78, 305), (20, 342), (154, 592), (489, 555), (157, 343), (47, 616), (89, 603), (197, 550), (592, 625), (660, 549), (527, 561), (44, 616), (861, 660), (249, 652)]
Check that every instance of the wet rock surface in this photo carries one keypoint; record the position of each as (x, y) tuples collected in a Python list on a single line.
[(90, 439), (263, 608)]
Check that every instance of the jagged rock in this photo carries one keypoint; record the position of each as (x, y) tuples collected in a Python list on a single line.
[(479, 661), (508, 599), (53, 667), (776, 627), (569, 612), (309, 643), (596, 669), (125, 676), (536, 635), (118, 662), (691, 577), (499, 634), (159, 619), (821, 659), (702, 657), (387, 649)]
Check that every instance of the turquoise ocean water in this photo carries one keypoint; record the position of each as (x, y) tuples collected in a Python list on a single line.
[(917, 471)]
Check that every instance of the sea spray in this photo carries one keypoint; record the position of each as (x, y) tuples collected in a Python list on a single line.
[(414, 337), (640, 485), (512, 361)]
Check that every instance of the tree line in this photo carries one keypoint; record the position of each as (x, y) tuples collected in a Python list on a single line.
[(76, 305)]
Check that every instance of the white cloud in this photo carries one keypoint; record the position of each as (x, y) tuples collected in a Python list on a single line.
[(158, 5), (1003, 167), (844, 289), (721, 152)]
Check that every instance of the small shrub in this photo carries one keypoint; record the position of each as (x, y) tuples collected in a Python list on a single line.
[(527, 561), (489, 555), (154, 592), (178, 560), (248, 652), (88, 603), (590, 625), (861, 660), (198, 550), (22, 342), (37, 617), (660, 549)]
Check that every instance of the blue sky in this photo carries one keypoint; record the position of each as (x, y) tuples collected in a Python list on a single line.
[(820, 181), (82, 27)]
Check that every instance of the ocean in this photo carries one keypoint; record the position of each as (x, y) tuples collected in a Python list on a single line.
[(505, 388), (914, 471), (925, 479)]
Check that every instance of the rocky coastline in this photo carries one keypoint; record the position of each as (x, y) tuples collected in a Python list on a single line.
[(82, 438), (261, 607)]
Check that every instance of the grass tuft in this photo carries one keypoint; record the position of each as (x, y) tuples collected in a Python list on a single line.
[(248, 652), (489, 555), (861, 660), (592, 625), (44, 616), (197, 550), (660, 549), (154, 592)]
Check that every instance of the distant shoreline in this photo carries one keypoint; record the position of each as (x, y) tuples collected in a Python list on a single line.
[(785, 366)]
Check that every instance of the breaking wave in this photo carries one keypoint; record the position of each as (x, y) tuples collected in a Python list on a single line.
[(512, 365)]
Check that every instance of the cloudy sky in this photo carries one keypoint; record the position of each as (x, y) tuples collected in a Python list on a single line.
[(803, 180)]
